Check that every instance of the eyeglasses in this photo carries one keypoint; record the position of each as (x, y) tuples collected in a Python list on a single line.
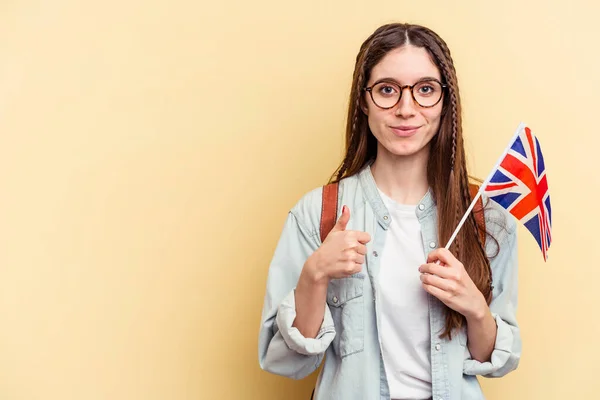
[(426, 93)]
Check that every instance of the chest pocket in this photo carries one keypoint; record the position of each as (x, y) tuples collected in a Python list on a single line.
[(345, 300)]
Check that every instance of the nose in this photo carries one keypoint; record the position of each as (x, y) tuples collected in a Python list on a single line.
[(406, 107)]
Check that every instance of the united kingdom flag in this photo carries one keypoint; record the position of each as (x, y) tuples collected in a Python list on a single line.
[(519, 184)]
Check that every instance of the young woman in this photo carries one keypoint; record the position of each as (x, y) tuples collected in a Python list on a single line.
[(396, 315)]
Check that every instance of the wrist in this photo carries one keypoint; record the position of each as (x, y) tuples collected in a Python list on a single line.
[(312, 274), (479, 313)]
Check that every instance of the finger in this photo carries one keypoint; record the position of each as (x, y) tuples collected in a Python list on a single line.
[(437, 292), (342, 222), (352, 268), (359, 258), (435, 269), (443, 255), (360, 249), (357, 268), (363, 237), (351, 255), (444, 284)]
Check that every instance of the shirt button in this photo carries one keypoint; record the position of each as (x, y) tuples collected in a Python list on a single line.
[(335, 300), (438, 347), (385, 217), (432, 245), (375, 254), (421, 207)]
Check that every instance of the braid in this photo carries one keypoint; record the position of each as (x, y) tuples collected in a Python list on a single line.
[(359, 87), (466, 201), (355, 113), (453, 86), (454, 112), (342, 169), (457, 216), (454, 127), (447, 64), (360, 82)]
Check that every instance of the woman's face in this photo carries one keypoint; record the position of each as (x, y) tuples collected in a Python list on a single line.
[(406, 129)]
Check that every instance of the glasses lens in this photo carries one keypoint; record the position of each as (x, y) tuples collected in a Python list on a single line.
[(427, 93), (385, 94)]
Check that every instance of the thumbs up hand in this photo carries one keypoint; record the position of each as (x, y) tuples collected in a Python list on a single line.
[(342, 253)]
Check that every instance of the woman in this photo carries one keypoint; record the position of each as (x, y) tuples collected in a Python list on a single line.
[(398, 316)]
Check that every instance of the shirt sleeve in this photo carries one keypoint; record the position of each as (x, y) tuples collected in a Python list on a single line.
[(507, 349), (282, 349)]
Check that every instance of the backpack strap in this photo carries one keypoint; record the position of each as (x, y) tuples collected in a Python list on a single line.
[(329, 207)]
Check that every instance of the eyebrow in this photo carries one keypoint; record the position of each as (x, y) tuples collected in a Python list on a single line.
[(425, 78)]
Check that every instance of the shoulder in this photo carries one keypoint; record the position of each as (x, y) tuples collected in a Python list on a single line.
[(308, 208)]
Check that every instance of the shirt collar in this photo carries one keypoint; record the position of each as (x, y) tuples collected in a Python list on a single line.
[(365, 176)]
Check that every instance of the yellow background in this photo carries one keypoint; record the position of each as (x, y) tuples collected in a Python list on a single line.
[(149, 152)]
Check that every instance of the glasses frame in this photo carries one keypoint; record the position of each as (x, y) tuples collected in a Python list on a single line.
[(402, 87)]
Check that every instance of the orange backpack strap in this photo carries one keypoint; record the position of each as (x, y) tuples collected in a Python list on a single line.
[(478, 212), (329, 208)]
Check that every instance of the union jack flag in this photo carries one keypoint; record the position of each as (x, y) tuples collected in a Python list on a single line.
[(519, 184)]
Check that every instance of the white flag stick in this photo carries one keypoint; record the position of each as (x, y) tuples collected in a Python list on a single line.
[(484, 184)]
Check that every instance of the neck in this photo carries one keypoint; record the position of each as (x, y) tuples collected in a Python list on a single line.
[(402, 178)]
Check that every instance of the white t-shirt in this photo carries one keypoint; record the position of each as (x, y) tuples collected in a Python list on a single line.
[(405, 333)]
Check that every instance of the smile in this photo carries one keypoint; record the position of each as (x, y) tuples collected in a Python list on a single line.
[(404, 131)]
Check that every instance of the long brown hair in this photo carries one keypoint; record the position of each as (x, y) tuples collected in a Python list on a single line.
[(446, 169)]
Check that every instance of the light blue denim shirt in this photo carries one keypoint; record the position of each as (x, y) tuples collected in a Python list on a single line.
[(353, 368)]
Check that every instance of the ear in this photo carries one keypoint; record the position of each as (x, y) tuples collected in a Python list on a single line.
[(364, 108)]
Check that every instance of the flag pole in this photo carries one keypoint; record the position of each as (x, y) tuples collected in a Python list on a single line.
[(484, 185)]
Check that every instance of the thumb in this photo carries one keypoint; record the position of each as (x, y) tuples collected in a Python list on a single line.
[(341, 223)]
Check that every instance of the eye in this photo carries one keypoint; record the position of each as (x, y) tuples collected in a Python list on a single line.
[(387, 89), (426, 89)]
